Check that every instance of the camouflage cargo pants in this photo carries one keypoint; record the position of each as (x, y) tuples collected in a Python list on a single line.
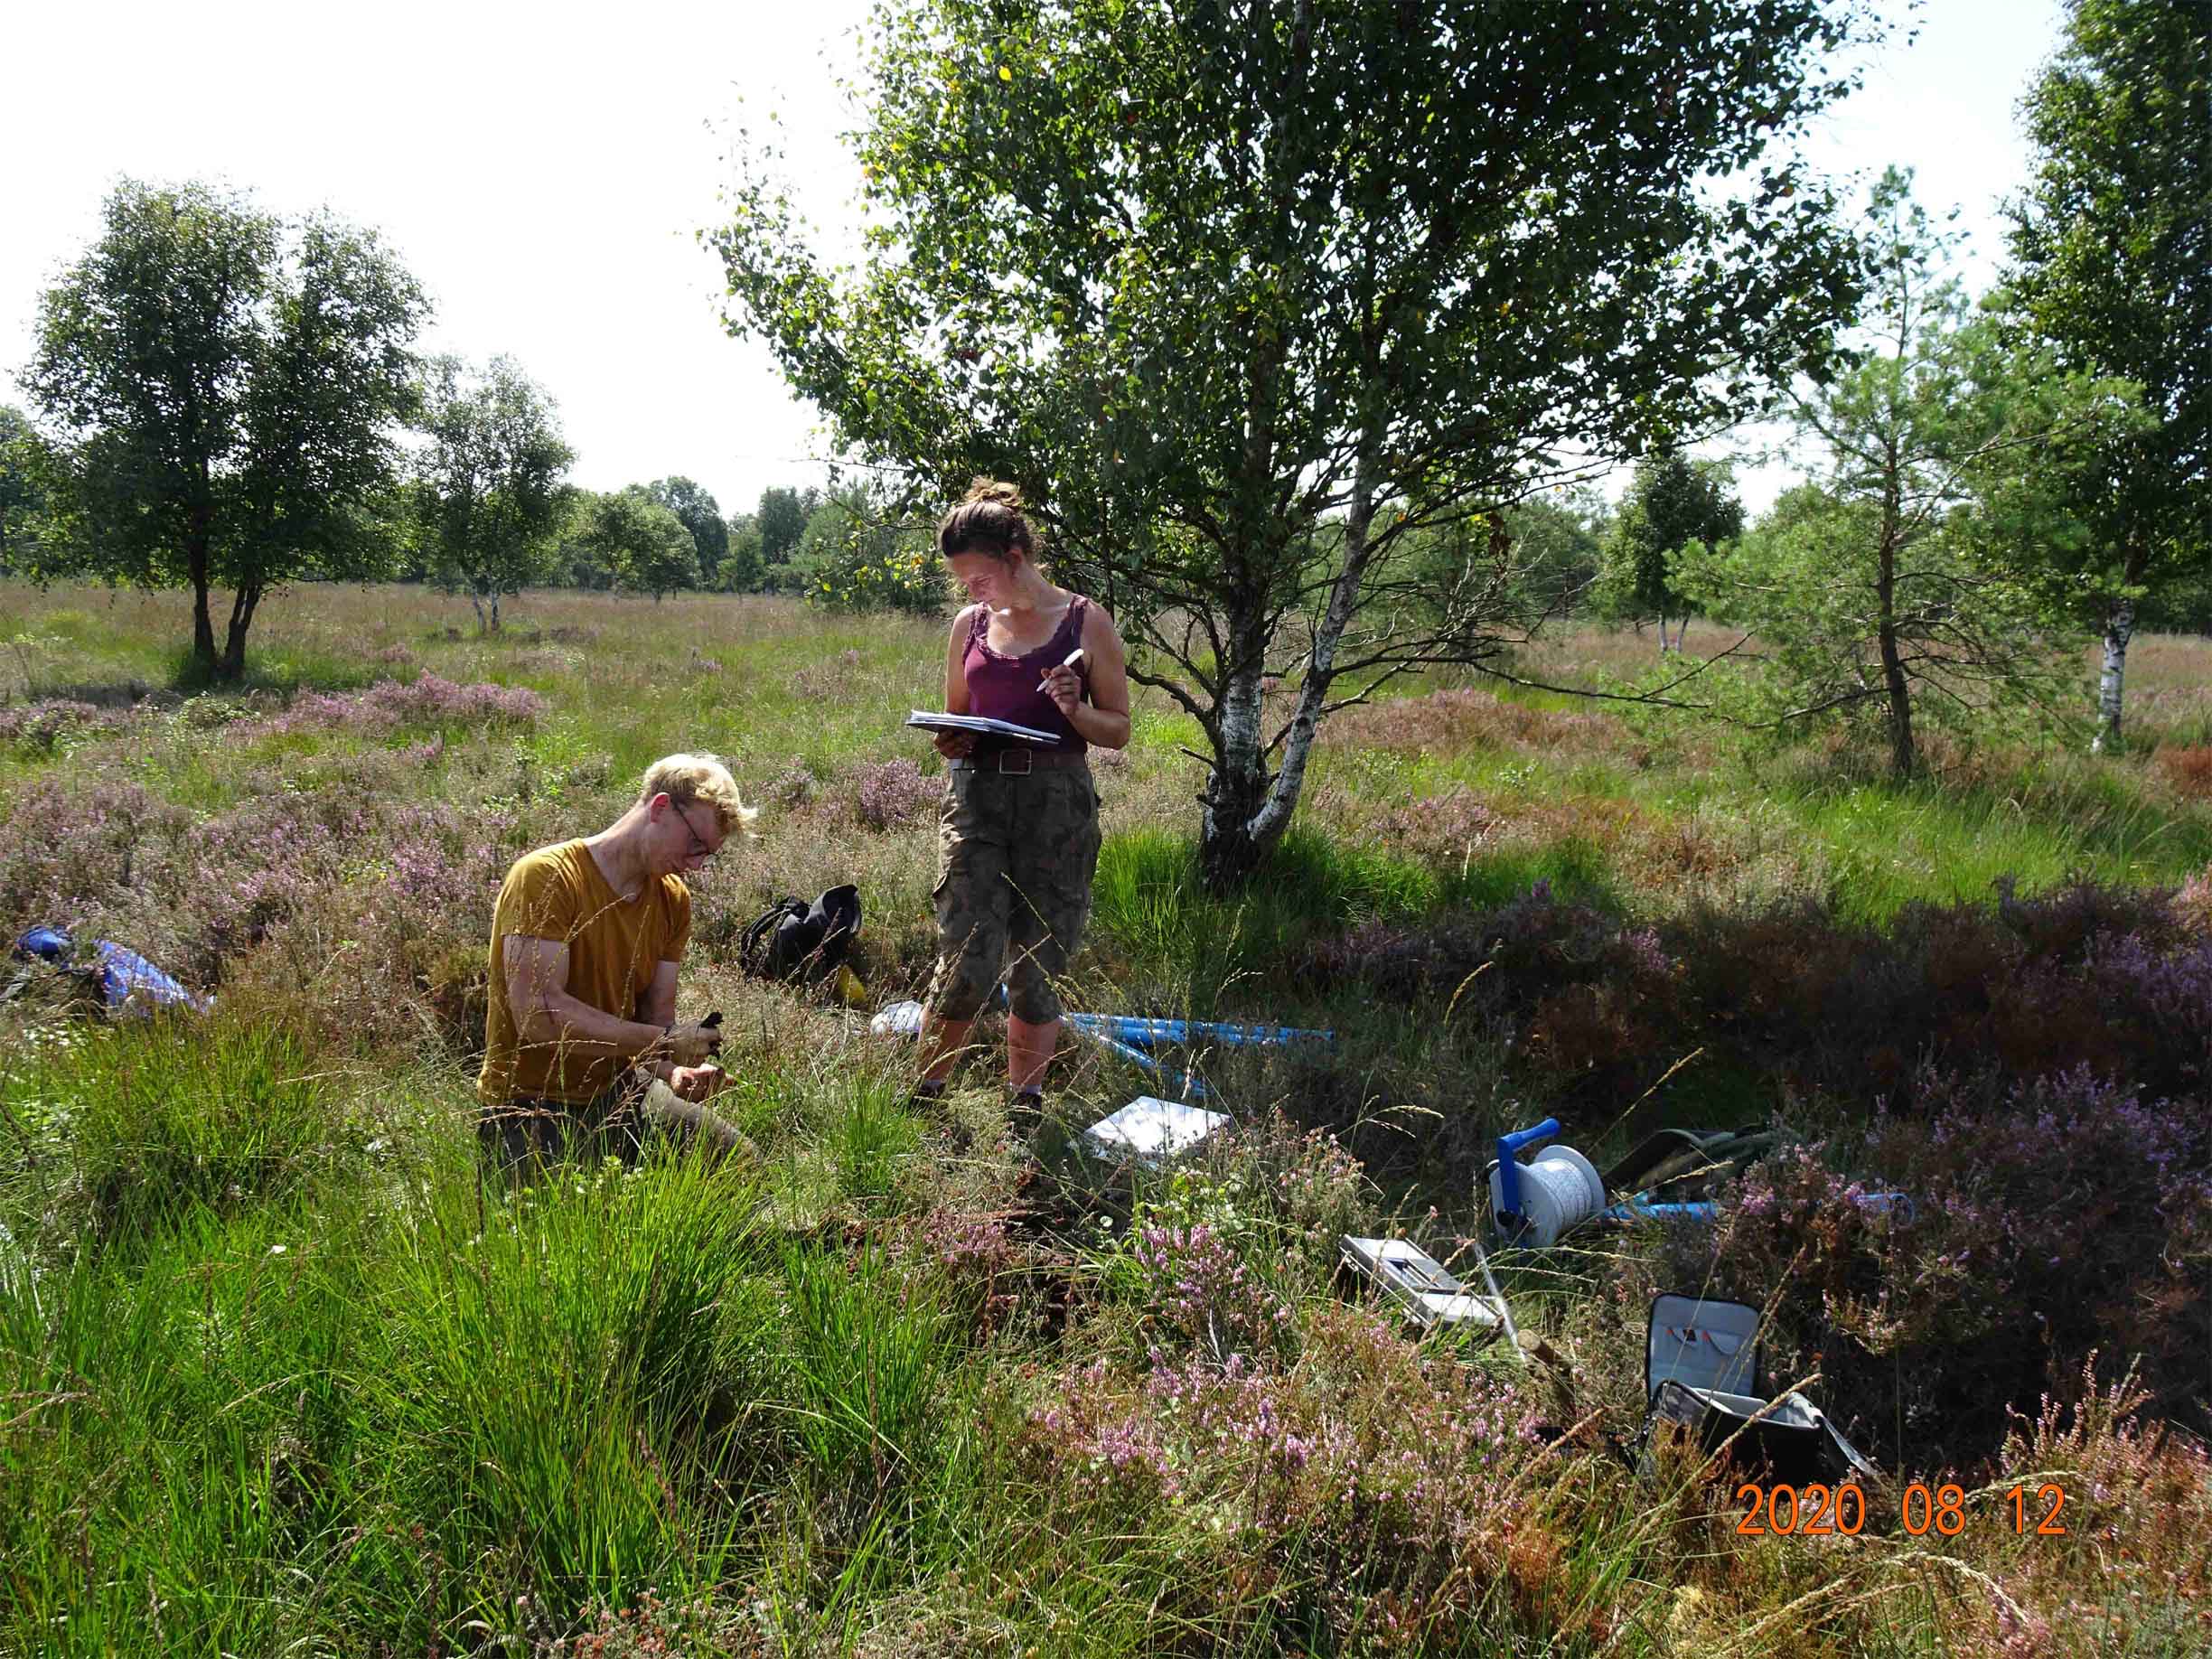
[(525, 1135), (1016, 856)]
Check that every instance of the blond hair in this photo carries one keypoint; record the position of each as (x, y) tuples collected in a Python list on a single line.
[(687, 778), (988, 521)]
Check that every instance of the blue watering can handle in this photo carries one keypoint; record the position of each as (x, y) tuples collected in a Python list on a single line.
[(1509, 1165)]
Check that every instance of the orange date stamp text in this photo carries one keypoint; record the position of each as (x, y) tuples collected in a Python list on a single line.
[(1817, 1511)]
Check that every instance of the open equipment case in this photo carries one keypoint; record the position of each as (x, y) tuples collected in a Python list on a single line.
[(1701, 1371)]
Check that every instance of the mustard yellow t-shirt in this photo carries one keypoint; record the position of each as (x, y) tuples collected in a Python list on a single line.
[(613, 949)]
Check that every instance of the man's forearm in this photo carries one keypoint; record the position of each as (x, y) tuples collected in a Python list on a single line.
[(587, 1032)]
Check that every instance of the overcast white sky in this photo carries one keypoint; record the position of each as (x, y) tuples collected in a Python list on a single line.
[(543, 171)]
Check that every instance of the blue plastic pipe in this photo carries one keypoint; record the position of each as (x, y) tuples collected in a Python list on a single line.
[(1144, 1032), (1637, 1209), (1641, 1208), (1136, 1056)]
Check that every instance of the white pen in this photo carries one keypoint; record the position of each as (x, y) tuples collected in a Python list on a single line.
[(1073, 658)]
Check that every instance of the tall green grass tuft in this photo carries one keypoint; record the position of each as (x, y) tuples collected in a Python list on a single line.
[(1180, 946), (1149, 902), (160, 1119), (563, 1375), (180, 1454)]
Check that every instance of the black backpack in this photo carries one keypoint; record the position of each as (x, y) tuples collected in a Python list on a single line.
[(793, 940)]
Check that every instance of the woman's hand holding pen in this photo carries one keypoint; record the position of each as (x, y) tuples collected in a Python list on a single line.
[(1064, 684)]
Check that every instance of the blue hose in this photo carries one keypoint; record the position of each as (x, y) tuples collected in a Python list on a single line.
[(1144, 1032), (1136, 1056)]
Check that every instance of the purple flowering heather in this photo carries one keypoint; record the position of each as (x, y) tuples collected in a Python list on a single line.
[(427, 701), (2055, 1216), (895, 792), (1359, 1450)]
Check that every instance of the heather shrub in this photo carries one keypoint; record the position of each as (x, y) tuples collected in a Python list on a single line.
[(1197, 1260), (2125, 1479), (2053, 1217), (389, 947), (427, 699), (793, 786), (2062, 925), (2193, 903), (39, 728), (1596, 996), (76, 854), (1366, 1491), (1450, 720), (253, 865), (1446, 829), (894, 794), (1600, 1004), (968, 1260), (1314, 1191)]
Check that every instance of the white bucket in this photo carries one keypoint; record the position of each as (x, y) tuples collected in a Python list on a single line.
[(1560, 1191)]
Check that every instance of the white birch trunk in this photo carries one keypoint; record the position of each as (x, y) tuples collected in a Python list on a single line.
[(2119, 629)]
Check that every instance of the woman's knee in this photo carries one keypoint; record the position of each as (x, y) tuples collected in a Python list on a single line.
[(1030, 994), (963, 985)]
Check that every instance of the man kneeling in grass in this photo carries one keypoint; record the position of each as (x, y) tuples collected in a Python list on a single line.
[(582, 1045)]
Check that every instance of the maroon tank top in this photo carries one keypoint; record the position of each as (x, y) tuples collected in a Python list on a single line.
[(1004, 688)]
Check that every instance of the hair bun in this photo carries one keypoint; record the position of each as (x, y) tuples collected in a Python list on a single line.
[(995, 490)]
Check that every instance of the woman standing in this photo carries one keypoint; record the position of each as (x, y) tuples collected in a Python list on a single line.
[(1019, 836)]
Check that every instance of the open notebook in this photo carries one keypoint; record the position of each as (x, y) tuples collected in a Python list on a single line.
[(979, 724)]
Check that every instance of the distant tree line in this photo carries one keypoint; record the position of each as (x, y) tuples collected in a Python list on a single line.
[(228, 401)]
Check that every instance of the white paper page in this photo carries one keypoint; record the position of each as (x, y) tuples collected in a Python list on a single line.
[(928, 721)]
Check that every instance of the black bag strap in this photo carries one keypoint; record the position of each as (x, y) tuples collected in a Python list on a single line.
[(754, 943)]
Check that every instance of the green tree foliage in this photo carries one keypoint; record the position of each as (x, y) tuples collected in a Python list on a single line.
[(26, 473), (1548, 543), (1890, 587), (859, 555), (743, 570), (1200, 278), (646, 546), (577, 561), (702, 516), (1672, 502), (781, 519), (228, 388), (487, 495), (2110, 245), (1558, 537)]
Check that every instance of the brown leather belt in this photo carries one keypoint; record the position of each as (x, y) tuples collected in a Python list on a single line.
[(1019, 762)]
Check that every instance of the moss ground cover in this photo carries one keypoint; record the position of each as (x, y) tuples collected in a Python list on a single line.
[(279, 1373)]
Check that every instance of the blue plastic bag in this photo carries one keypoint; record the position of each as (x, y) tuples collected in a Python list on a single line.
[(122, 974)]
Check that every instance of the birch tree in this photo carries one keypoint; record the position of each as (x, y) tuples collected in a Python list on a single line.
[(1899, 581), (226, 389), (1209, 280), (2111, 246), (487, 493)]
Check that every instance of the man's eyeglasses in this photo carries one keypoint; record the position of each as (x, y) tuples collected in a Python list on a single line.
[(699, 849)]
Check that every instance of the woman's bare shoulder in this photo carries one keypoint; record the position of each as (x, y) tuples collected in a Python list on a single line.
[(1098, 621)]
